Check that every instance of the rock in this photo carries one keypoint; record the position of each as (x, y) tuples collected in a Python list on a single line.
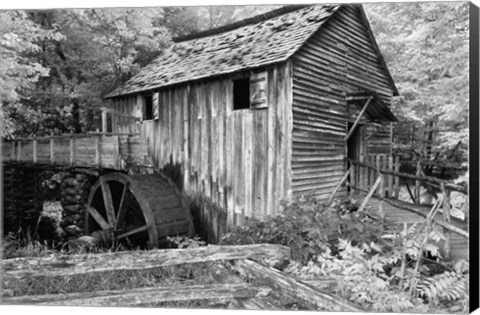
[(74, 208), (72, 230)]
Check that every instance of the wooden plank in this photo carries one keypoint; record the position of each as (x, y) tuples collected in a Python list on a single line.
[(396, 190), (446, 218), (370, 193), (52, 150), (279, 77), (72, 151), (98, 151), (335, 190), (63, 265), (271, 197), (390, 177), (248, 167), (288, 107), (146, 296), (19, 150), (287, 286), (357, 121), (104, 121), (35, 151), (417, 183)]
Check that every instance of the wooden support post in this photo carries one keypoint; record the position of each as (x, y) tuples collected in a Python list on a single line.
[(390, 177), (98, 151), (73, 151), (104, 121), (378, 165), (358, 118), (52, 150), (397, 178), (345, 176), (35, 150), (352, 180), (12, 150), (19, 150), (446, 218), (371, 192), (417, 183)]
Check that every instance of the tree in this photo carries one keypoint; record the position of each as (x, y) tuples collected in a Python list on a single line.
[(18, 71), (426, 48)]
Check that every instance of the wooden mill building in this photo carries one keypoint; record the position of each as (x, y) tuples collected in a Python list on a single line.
[(264, 109)]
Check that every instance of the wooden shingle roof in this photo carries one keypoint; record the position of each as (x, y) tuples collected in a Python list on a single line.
[(255, 43)]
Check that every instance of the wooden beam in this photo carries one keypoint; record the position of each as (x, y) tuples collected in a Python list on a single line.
[(370, 193), (98, 151), (345, 176), (358, 118), (287, 287), (146, 296), (104, 121), (64, 265), (73, 151), (52, 151), (19, 150), (35, 151), (397, 204), (430, 179)]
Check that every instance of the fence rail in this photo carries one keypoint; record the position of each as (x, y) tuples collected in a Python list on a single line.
[(250, 261), (114, 151), (380, 176)]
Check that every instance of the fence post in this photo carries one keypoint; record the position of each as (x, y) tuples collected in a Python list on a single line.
[(378, 165), (72, 151), (98, 151), (104, 121), (397, 178), (417, 183), (446, 218), (52, 151), (390, 177), (19, 150), (35, 150)]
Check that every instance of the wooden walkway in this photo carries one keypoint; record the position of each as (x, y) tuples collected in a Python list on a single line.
[(398, 216)]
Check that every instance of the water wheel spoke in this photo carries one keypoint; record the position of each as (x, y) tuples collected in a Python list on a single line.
[(108, 202), (122, 207), (98, 217), (134, 231)]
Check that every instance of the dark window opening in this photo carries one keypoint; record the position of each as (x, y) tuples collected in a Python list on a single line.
[(241, 93), (148, 113)]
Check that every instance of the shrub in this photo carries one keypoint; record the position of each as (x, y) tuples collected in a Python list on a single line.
[(310, 228)]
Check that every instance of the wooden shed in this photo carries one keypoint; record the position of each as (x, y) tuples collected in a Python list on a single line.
[(264, 109)]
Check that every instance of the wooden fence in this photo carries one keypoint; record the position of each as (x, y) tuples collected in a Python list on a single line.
[(115, 151), (233, 266), (380, 176)]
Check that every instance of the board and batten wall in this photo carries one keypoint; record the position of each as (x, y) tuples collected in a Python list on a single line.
[(237, 160), (337, 59)]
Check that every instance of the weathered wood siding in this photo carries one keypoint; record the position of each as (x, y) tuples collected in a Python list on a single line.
[(338, 59), (238, 160)]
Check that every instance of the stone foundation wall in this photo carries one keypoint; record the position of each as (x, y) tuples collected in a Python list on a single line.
[(75, 188), (24, 194)]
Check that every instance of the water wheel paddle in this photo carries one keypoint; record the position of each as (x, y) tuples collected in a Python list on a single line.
[(139, 209)]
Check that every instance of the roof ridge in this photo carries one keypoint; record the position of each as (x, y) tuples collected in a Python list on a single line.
[(251, 20)]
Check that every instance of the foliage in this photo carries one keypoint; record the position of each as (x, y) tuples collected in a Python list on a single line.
[(310, 228), (18, 71), (426, 48)]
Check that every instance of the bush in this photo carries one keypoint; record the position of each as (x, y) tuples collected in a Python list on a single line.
[(310, 228)]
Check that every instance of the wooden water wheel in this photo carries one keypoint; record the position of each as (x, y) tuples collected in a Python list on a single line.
[(139, 209)]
